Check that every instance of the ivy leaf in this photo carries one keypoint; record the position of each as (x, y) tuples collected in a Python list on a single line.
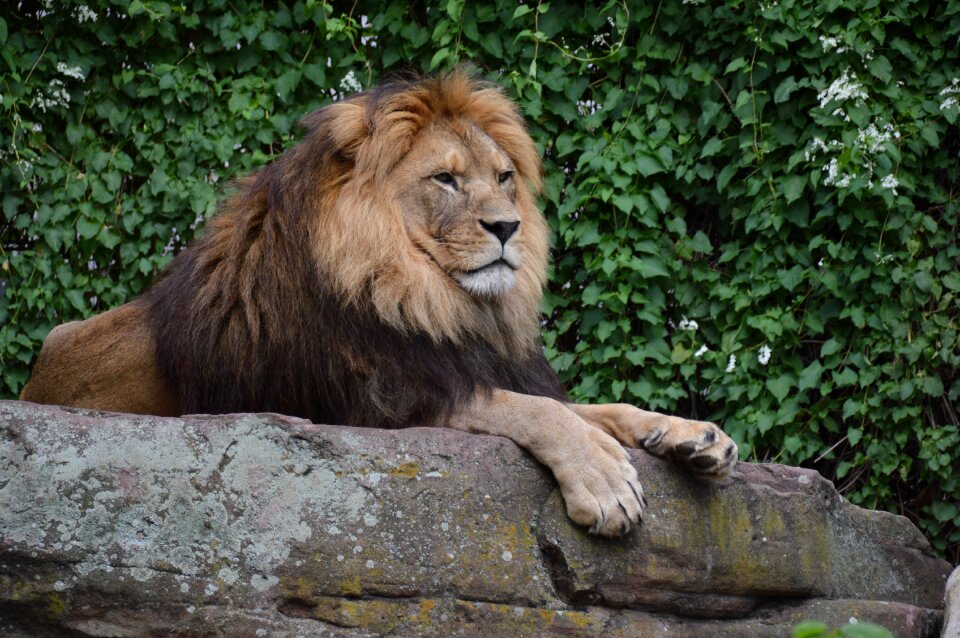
[(881, 68), (810, 376), (784, 89), (711, 148), (831, 346), (87, 228), (651, 267), (780, 387), (854, 435), (273, 41), (648, 164), (793, 187)]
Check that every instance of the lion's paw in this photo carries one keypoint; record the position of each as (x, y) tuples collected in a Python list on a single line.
[(600, 486), (700, 446)]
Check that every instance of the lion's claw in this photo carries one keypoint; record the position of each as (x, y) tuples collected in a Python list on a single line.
[(602, 491), (701, 447)]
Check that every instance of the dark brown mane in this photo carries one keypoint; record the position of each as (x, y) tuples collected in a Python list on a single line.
[(246, 319)]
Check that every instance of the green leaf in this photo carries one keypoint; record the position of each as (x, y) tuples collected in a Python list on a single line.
[(648, 164), (87, 228), (679, 354), (784, 89), (923, 280), (316, 73), (810, 376), (952, 280), (660, 198), (831, 346), (623, 202), (854, 435), (591, 294), (652, 267), (780, 387), (75, 297), (929, 134), (287, 82), (881, 68), (789, 279), (712, 147), (273, 41), (848, 376), (810, 630), (238, 102), (726, 174), (865, 630), (932, 386), (438, 57), (793, 187), (735, 65)]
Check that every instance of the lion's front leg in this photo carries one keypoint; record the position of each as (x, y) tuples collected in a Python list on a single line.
[(598, 483), (700, 446)]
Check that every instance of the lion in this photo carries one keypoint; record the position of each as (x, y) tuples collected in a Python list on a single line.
[(387, 271)]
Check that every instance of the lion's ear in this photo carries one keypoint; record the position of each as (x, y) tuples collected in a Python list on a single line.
[(343, 123)]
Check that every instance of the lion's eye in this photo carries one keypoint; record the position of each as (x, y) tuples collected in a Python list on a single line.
[(505, 177), (446, 179)]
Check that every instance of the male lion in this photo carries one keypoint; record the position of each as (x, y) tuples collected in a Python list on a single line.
[(385, 272)]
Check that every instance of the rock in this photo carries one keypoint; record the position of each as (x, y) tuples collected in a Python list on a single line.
[(263, 525), (951, 602)]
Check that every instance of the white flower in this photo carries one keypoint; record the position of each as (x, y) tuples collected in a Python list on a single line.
[(350, 83), (688, 324), (952, 88), (764, 355), (732, 363), (950, 93), (890, 182), (846, 87), (84, 13), (830, 43), (55, 95), (869, 143), (71, 71), (702, 351), (872, 138), (835, 178)]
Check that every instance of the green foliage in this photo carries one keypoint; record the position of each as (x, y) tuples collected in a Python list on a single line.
[(754, 204), (854, 630)]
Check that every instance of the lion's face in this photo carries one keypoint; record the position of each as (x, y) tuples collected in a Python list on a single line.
[(459, 206), (426, 210)]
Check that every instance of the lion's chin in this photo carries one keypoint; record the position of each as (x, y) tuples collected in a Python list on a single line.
[(493, 281)]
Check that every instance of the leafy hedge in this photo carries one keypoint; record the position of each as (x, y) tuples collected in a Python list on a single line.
[(754, 204)]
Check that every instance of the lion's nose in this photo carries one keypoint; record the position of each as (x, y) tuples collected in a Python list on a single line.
[(501, 230)]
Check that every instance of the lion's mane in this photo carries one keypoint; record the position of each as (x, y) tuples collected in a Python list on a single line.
[(306, 297)]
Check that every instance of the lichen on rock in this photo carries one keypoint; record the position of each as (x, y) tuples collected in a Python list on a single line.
[(242, 524)]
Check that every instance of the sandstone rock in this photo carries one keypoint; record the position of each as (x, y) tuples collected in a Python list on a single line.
[(951, 601), (263, 525)]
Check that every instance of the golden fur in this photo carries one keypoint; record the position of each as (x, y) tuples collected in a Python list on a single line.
[(387, 272), (407, 289), (352, 218)]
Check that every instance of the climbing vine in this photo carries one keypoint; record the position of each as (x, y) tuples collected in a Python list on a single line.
[(754, 204)]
